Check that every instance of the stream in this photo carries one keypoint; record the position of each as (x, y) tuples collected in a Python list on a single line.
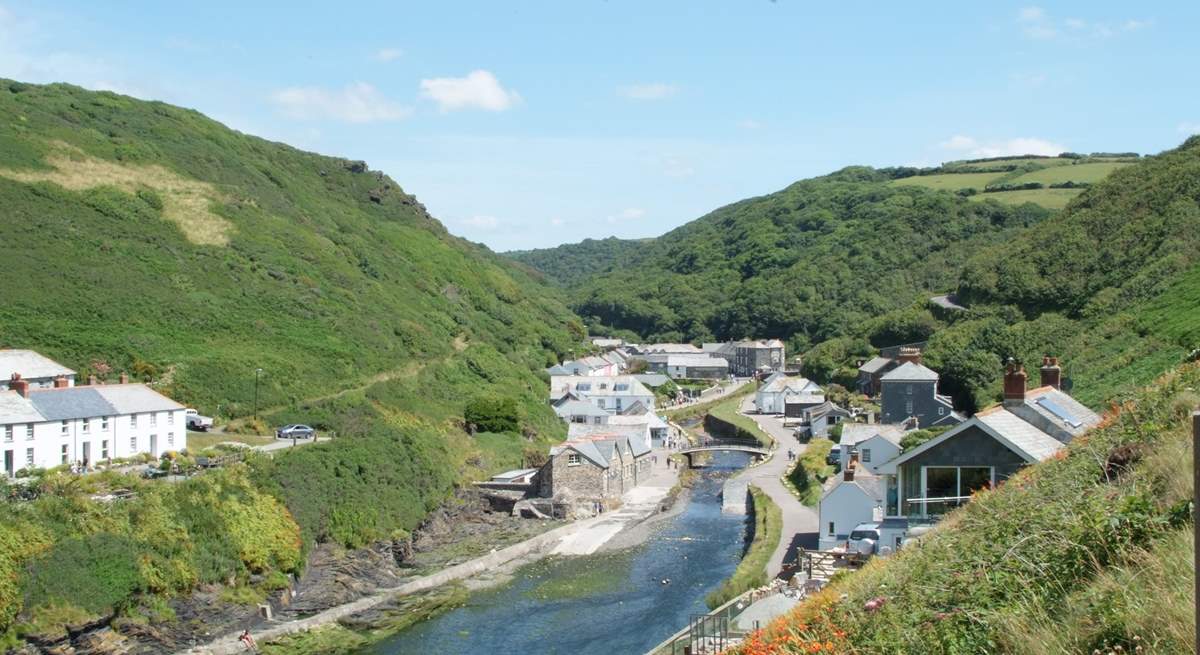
[(622, 602)]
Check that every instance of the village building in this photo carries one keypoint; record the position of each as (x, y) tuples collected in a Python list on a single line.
[(612, 394), (35, 369), (910, 391), (83, 425), (771, 397), (854, 435), (695, 367), (598, 467), (850, 498), (606, 343), (818, 420)]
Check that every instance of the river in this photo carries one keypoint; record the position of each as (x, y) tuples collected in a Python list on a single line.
[(613, 603)]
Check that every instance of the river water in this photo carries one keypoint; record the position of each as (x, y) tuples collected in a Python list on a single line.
[(612, 603)]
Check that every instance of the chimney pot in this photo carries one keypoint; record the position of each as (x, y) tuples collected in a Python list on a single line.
[(1051, 372), (1014, 383), (91, 380), (60, 382), (909, 354), (18, 385)]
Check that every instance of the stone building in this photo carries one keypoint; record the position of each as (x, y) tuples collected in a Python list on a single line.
[(910, 391), (596, 468)]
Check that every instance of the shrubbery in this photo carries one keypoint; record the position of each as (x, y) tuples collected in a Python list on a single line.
[(492, 414)]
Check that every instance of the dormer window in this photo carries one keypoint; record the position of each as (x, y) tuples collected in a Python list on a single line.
[(572, 459)]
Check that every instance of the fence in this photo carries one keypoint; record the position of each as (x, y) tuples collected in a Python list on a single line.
[(708, 634)]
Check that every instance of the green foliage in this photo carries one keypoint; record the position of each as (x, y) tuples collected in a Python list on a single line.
[(96, 573), (915, 438), (810, 472), (493, 414), (1036, 564), (751, 572)]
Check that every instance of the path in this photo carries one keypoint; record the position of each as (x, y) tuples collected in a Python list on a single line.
[(798, 519)]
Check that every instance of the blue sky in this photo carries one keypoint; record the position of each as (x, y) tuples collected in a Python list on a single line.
[(529, 124)]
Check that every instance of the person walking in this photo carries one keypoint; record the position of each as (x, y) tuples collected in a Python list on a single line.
[(247, 640)]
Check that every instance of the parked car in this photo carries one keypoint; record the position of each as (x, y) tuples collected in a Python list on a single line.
[(833, 457), (197, 422), (295, 431), (863, 542)]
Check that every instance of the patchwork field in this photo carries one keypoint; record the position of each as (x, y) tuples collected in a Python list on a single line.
[(976, 176), (1086, 173), (1048, 198), (951, 181)]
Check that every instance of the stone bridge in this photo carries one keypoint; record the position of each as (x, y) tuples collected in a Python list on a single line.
[(754, 448)]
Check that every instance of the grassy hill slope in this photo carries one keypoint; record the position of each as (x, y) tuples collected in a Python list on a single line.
[(1089, 550), (147, 238)]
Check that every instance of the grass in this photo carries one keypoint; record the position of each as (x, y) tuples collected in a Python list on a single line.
[(1070, 546), (808, 475), (1085, 173), (700, 409), (726, 412), (950, 181), (752, 571), (1048, 198)]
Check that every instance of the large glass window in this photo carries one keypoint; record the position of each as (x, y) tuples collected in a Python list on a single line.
[(946, 486), (973, 479)]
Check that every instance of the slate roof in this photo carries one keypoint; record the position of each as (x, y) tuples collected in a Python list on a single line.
[(910, 372), (71, 403), (875, 365), (598, 447), (698, 361), (672, 348), (854, 433), (15, 408), (781, 383), (574, 407), (1025, 439), (559, 385), (651, 379), (1058, 413), (30, 365), (135, 398)]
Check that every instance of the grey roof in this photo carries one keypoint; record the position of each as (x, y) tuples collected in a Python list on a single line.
[(599, 446), (559, 369), (853, 433), (1057, 412), (651, 379), (71, 403), (30, 365), (15, 408), (699, 361), (513, 474), (572, 407), (134, 398), (1027, 440), (910, 372), (875, 365)]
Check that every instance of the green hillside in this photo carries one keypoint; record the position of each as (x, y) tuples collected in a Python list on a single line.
[(147, 238), (1090, 551), (573, 263), (1047, 181)]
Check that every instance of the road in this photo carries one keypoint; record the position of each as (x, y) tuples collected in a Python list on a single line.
[(800, 522)]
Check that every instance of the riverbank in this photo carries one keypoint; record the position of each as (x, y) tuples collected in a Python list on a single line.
[(577, 538), (752, 570)]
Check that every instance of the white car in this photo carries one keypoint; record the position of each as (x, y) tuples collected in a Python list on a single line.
[(197, 422), (863, 542)]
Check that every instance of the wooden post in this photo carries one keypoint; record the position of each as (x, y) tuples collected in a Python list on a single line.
[(1196, 511)]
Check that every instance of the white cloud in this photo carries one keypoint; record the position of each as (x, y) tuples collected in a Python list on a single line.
[(749, 124), (1035, 23), (651, 91), (1189, 128), (558, 222), (629, 214), (478, 90), (971, 147), (388, 54), (355, 103), (482, 222)]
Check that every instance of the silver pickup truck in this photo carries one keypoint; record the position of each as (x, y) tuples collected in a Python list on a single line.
[(197, 422)]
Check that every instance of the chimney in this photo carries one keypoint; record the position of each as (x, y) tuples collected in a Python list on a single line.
[(1014, 383), (909, 354), (1051, 373), (18, 385), (92, 380), (848, 474), (60, 382), (124, 377)]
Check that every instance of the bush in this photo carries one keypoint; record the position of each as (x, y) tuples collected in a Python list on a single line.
[(97, 573), (493, 414)]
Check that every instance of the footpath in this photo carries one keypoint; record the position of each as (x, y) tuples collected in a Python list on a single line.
[(798, 518), (576, 538)]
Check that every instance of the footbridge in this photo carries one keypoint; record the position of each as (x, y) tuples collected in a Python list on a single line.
[(752, 447)]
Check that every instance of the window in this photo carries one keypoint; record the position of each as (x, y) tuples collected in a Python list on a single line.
[(65, 428), (104, 449), (170, 438), (600, 403), (831, 528), (29, 457), (153, 420), (579, 419), (596, 420), (866, 455), (29, 431), (908, 389), (8, 432), (85, 424), (946, 486), (133, 420), (603, 385), (104, 424), (572, 459), (908, 407), (65, 454), (170, 418), (618, 403), (133, 444)]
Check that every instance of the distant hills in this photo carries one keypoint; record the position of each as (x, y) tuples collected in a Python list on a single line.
[(843, 264)]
